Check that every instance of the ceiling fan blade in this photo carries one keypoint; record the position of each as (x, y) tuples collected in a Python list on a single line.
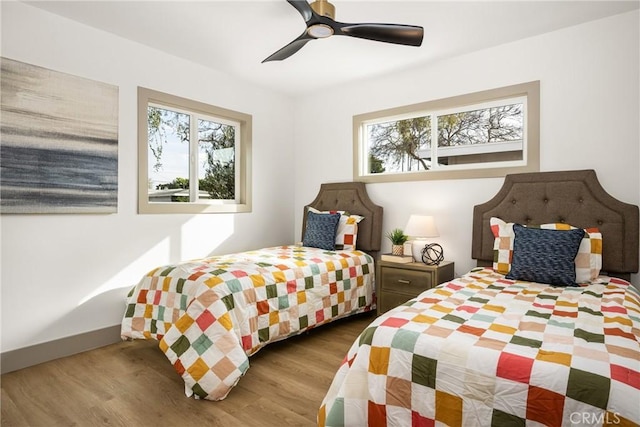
[(410, 35), (289, 49), (303, 7), (320, 24)]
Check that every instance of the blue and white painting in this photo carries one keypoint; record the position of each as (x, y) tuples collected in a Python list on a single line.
[(58, 142)]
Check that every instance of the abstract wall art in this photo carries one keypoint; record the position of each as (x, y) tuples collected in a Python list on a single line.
[(58, 142)]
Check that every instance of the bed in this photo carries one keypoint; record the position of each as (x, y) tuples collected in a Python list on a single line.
[(490, 349), (209, 315)]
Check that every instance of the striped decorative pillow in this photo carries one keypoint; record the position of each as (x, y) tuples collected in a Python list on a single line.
[(347, 233), (545, 255), (321, 231), (588, 260)]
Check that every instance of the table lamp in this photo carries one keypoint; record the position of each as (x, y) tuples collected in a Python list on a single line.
[(421, 227)]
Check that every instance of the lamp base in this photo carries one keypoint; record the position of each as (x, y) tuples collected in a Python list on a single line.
[(416, 249)]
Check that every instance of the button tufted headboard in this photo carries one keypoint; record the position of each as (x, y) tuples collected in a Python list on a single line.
[(352, 197), (572, 197)]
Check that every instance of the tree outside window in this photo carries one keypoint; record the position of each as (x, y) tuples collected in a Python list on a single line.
[(482, 134), (405, 145), (195, 155)]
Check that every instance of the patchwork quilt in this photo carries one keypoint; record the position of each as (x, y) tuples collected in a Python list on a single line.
[(211, 314), (486, 351)]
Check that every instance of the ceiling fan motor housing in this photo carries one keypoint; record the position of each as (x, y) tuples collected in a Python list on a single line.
[(324, 8)]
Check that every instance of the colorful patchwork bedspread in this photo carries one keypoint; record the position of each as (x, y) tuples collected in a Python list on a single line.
[(211, 314), (485, 351)]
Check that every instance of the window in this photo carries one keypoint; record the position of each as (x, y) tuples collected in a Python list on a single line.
[(484, 134), (193, 157)]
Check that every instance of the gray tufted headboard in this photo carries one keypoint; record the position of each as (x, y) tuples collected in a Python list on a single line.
[(352, 197), (573, 197)]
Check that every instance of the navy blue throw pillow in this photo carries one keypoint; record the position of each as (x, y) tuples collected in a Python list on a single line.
[(545, 255), (321, 231)]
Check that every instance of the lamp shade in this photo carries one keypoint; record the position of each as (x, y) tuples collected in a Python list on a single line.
[(420, 226)]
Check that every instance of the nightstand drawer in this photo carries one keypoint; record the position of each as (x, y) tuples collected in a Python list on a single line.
[(409, 281), (397, 283)]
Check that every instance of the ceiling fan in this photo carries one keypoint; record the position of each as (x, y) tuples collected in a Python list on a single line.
[(319, 17)]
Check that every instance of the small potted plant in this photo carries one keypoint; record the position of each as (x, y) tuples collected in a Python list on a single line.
[(398, 239)]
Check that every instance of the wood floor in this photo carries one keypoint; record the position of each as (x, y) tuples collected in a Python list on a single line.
[(133, 384)]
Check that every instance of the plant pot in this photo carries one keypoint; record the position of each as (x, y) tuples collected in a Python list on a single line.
[(397, 250)]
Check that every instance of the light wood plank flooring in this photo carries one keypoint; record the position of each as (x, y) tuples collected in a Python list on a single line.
[(133, 384)]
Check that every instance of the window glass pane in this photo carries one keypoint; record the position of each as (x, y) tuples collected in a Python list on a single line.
[(193, 153), (481, 136), (477, 135), (168, 155), (399, 146), (216, 160)]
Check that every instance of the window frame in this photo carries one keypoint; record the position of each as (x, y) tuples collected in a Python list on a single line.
[(148, 97), (529, 91)]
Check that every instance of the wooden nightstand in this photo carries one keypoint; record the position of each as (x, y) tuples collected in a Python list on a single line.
[(397, 283)]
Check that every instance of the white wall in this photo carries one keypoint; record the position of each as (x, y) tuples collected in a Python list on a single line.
[(67, 274), (589, 83)]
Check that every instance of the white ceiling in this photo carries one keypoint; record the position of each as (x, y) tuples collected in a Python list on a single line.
[(235, 36)]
